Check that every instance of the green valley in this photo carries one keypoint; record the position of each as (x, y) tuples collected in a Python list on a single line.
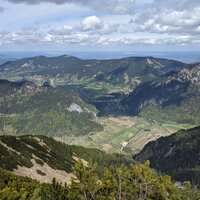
[(126, 135)]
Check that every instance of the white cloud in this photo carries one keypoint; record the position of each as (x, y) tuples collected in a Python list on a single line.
[(103, 40), (1, 9), (153, 22), (198, 29), (168, 16), (110, 6), (61, 30), (91, 23)]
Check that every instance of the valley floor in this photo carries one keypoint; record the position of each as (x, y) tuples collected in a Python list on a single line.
[(126, 135)]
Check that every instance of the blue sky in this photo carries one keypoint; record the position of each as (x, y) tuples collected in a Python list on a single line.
[(90, 25)]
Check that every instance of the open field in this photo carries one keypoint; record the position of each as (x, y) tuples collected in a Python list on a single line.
[(125, 134)]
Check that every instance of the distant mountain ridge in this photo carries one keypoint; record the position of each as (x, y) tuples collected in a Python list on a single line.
[(174, 96), (29, 109), (176, 155), (65, 69)]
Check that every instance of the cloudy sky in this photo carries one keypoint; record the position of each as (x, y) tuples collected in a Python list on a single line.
[(115, 25)]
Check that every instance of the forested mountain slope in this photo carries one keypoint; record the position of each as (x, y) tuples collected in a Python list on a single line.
[(173, 97), (43, 158), (29, 109), (176, 155)]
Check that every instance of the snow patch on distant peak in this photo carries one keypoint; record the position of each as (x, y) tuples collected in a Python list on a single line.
[(75, 108)]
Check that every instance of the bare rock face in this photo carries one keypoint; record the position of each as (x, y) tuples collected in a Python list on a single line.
[(191, 74), (75, 108)]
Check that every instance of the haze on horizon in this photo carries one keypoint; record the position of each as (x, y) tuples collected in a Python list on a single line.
[(91, 25)]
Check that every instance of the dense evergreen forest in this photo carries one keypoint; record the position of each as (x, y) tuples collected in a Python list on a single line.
[(136, 182)]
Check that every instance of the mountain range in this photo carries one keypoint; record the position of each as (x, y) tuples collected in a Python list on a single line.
[(172, 95), (62, 70), (158, 89)]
